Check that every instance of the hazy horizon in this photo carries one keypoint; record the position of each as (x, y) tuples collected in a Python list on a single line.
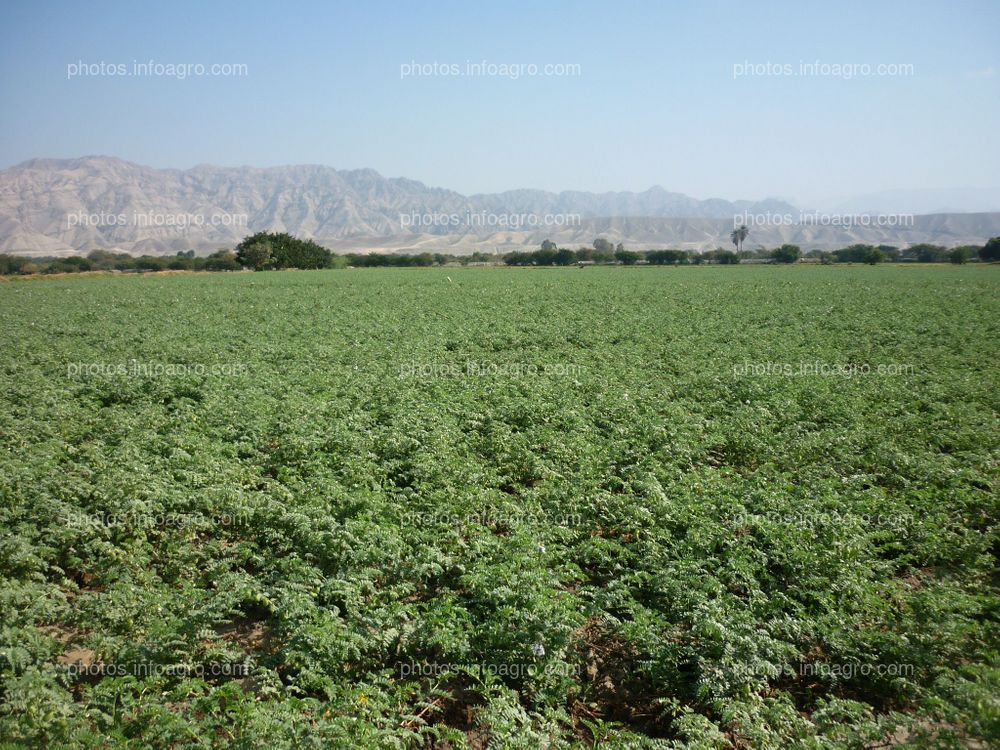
[(713, 101)]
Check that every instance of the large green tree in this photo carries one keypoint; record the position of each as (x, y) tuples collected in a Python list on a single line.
[(786, 253), (991, 250), (286, 251), (874, 256), (564, 257), (603, 246), (627, 257), (927, 253), (257, 255)]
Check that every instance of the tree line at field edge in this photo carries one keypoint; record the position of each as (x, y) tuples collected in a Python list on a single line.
[(278, 250)]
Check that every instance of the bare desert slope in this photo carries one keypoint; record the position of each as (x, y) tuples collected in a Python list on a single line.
[(66, 206)]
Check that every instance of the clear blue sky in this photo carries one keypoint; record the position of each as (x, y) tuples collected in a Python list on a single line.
[(655, 101)]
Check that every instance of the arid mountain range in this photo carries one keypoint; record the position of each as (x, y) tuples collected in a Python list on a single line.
[(59, 207)]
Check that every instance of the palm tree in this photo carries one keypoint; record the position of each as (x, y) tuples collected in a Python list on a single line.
[(738, 235)]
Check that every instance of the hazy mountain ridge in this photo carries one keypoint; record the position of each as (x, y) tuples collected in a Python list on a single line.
[(66, 206), (925, 201)]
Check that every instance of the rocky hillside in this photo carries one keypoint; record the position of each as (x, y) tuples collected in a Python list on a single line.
[(61, 207)]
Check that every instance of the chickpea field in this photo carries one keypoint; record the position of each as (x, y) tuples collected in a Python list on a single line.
[(700, 507)]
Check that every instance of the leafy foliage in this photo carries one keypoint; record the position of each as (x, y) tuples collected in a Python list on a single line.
[(281, 250), (640, 544)]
